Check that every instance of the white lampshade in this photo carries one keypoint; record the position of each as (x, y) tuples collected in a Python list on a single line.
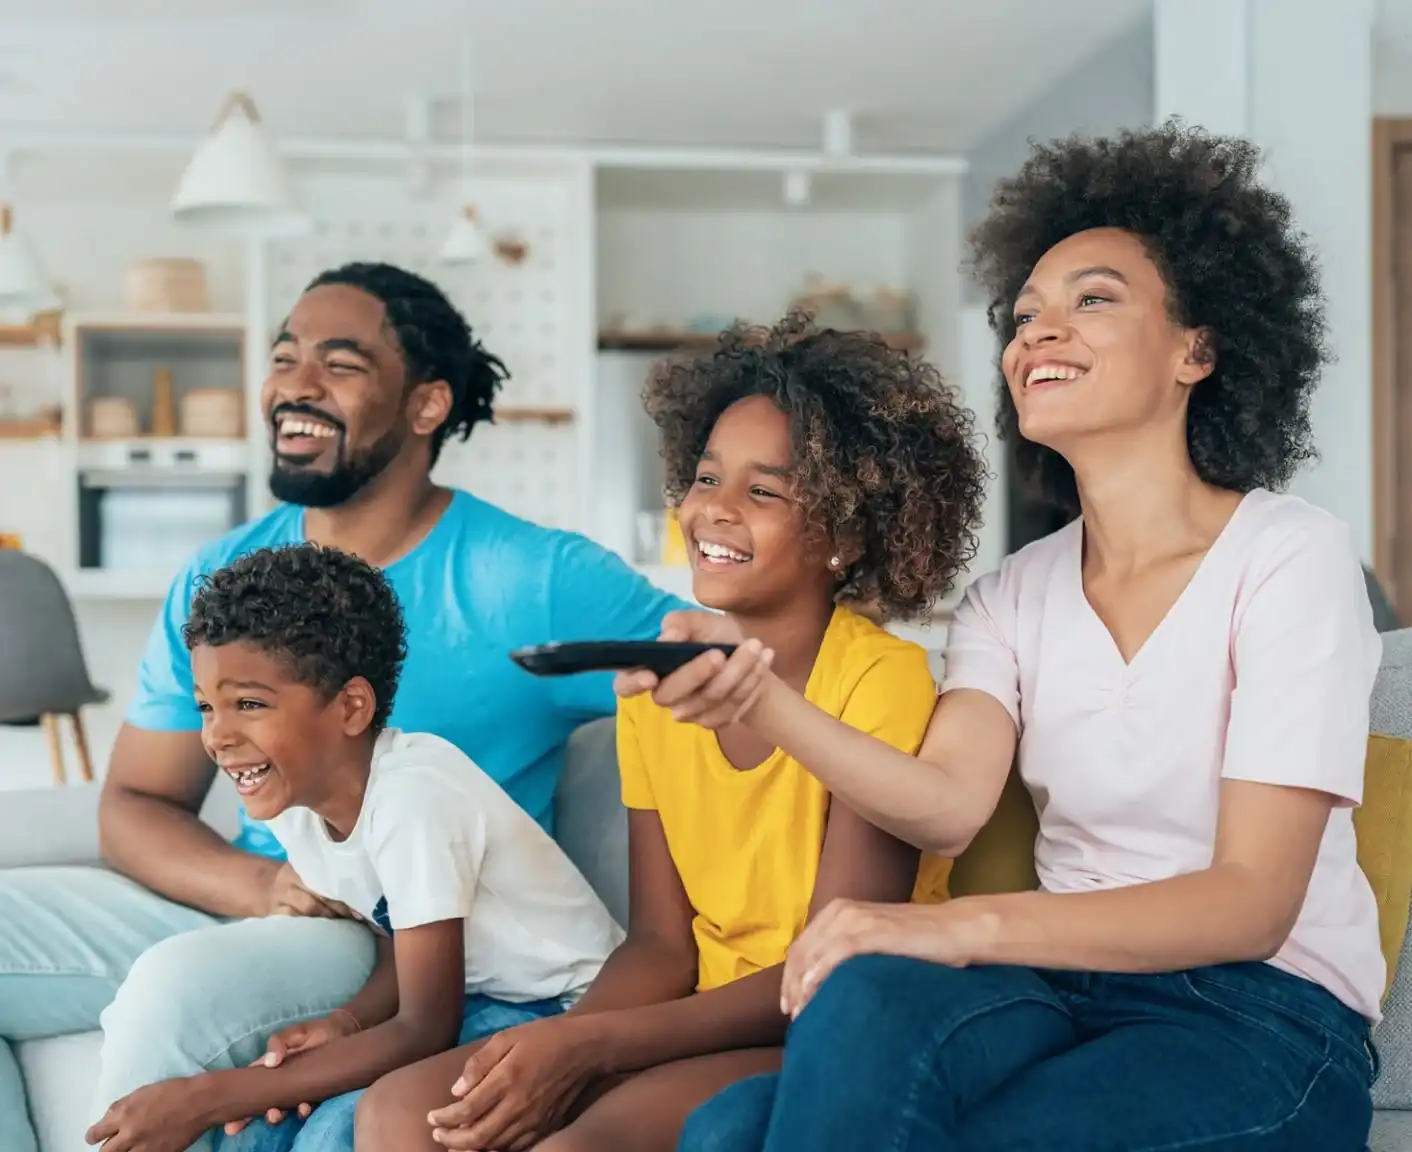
[(235, 183), (466, 243), (23, 289)]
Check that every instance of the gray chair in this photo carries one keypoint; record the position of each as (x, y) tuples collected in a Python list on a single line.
[(43, 675)]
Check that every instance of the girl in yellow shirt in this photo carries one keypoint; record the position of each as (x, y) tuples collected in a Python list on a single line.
[(820, 477)]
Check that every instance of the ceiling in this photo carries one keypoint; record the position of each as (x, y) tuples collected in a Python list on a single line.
[(920, 75)]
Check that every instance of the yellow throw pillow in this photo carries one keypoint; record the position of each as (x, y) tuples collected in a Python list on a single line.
[(1384, 828), (1001, 857)]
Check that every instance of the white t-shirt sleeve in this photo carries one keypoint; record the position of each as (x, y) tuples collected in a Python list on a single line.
[(980, 642), (426, 840), (1305, 653)]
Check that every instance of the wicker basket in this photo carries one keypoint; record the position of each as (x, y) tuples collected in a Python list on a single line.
[(212, 413), (112, 418), (167, 285)]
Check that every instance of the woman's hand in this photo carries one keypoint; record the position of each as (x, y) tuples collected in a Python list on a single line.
[(950, 933), (164, 1117), (518, 1086), (711, 691), (287, 1042)]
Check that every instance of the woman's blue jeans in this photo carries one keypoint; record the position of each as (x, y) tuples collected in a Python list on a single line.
[(899, 1055)]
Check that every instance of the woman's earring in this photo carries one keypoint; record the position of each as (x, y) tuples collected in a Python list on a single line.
[(834, 563)]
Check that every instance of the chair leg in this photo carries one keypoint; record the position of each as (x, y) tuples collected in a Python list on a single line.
[(56, 750), (85, 765)]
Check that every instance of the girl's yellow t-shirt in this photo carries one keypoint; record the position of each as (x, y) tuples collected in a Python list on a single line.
[(747, 843)]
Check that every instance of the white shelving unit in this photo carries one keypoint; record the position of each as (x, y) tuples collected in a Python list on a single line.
[(617, 242)]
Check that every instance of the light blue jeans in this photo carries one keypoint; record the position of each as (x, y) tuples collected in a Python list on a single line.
[(80, 947), (330, 1127)]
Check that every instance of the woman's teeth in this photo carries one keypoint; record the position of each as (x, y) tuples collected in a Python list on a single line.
[(1052, 372)]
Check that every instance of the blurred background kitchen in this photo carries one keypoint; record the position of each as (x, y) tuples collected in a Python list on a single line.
[(597, 183)]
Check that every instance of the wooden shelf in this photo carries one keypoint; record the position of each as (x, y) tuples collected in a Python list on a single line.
[(535, 415), (45, 426), (44, 331), (664, 340)]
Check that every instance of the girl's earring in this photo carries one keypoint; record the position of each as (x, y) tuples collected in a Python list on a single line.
[(835, 563)]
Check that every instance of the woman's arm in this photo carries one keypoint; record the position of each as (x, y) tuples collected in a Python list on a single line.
[(1243, 907), (431, 981), (938, 799)]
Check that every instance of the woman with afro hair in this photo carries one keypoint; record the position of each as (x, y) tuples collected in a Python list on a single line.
[(1182, 675)]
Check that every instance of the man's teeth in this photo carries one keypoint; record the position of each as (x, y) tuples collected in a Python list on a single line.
[(305, 428), (1053, 372), (721, 552)]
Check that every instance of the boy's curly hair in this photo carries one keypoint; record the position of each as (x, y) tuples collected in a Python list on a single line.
[(325, 614), (1233, 263), (884, 455)]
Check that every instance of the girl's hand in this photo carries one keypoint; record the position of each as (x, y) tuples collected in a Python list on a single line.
[(950, 933), (295, 1039), (518, 1086), (711, 691)]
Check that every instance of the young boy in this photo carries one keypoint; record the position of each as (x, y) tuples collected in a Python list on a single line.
[(483, 921)]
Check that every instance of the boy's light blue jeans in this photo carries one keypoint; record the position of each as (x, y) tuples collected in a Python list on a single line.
[(69, 937), (330, 1126)]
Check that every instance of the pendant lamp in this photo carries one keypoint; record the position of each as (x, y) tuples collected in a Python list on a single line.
[(466, 243), (235, 182), (23, 289)]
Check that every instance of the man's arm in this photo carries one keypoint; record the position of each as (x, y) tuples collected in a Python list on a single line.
[(149, 827), (595, 595)]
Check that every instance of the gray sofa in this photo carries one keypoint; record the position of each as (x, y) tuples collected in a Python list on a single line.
[(60, 827)]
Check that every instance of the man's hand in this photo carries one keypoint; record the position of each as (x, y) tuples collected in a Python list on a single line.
[(518, 1086), (165, 1117), (291, 1041), (289, 897)]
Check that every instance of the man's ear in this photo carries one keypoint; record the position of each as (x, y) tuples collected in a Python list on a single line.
[(356, 703), (429, 406)]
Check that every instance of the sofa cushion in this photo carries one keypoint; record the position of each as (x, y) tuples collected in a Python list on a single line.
[(590, 821), (1384, 828)]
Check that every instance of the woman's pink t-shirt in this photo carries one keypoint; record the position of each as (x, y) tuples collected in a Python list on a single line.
[(1261, 671)]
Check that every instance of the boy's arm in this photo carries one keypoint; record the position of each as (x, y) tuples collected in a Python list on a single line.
[(378, 999), (430, 978)]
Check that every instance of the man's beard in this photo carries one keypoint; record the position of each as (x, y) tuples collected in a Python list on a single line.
[(296, 484)]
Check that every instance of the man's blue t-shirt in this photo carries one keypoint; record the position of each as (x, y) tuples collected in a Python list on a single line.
[(481, 584)]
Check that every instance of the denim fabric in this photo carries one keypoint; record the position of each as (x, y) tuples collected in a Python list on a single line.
[(898, 1055), (330, 1127)]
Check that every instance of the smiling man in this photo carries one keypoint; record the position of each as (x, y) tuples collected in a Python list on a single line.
[(370, 374)]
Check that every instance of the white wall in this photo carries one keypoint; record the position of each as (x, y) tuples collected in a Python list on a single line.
[(669, 267), (1316, 137)]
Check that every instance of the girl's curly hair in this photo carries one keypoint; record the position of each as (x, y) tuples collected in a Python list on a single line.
[(885, 460), (1234, 266)]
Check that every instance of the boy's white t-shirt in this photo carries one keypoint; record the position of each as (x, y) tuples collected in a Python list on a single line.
[(438, 839)]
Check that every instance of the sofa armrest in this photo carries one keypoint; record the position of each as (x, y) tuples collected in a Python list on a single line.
[(49, 826)]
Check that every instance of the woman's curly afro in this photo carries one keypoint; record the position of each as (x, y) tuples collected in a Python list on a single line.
[(886, 463), (1234, 266), (325, 614)]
